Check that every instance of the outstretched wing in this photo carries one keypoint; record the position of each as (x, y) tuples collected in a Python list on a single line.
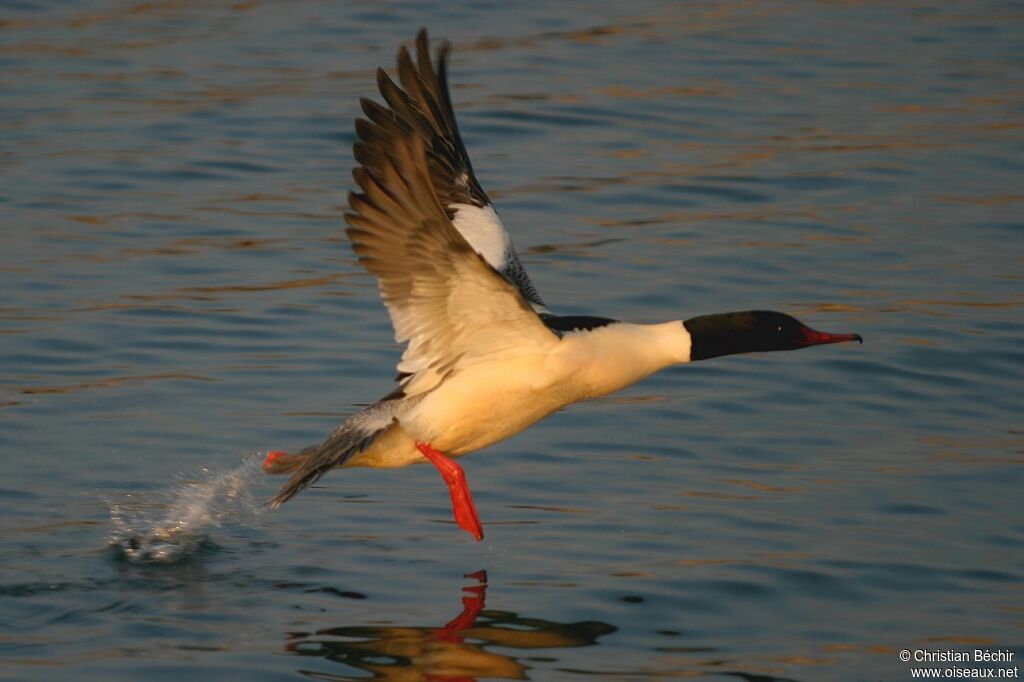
[(444, 299), (421, 108)]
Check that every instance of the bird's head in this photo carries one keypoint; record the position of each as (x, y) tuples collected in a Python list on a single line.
[(752, 331)]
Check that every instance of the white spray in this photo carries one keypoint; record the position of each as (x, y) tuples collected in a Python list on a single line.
[(177, 524)]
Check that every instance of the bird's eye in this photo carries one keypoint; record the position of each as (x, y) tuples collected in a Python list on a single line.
[(779, 328)]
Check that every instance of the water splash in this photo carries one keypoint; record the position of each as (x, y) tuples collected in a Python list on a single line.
[(175, 525)]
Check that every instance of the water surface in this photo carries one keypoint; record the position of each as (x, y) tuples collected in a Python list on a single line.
[(176, 296)]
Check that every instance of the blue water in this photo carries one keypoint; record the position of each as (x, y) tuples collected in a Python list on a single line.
[(177, 297)]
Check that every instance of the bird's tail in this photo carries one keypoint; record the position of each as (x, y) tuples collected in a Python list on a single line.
[(313, 462)]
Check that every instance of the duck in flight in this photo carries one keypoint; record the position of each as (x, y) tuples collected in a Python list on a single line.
[(484, 357)]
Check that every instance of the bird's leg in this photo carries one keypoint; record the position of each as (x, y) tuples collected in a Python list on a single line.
[(462, 500)]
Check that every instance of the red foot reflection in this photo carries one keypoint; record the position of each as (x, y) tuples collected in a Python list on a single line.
[(472, 605), (459, 651)]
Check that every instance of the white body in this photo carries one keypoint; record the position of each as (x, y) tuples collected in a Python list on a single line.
[(488, 402)]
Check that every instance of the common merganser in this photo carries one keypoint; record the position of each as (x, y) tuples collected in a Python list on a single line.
[(484, 357)]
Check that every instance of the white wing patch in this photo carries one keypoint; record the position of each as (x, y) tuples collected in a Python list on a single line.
[(482, 228)]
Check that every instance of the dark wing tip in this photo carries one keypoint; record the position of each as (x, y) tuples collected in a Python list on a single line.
[(404, 57), (417, 105)]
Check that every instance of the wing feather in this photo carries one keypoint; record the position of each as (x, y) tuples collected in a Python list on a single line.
[(445, 301), (419, 106)]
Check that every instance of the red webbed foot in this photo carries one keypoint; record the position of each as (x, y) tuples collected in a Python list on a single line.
[(462, 500), (272, 457)]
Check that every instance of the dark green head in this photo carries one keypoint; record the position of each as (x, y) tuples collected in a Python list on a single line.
[(752, 331)]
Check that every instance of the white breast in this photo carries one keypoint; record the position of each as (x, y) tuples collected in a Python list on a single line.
[(485, 403)]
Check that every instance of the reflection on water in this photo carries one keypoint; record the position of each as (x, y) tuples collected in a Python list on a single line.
[(481, 643), (462, 649)]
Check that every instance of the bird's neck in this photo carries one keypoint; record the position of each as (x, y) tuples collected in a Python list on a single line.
[(609, 358)]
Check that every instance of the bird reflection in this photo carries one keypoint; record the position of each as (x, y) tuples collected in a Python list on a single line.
[(455, 652)]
